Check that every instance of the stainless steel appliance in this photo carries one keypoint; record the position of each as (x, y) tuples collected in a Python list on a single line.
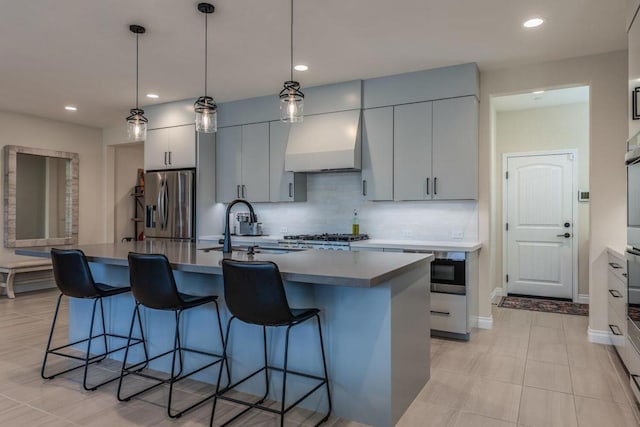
[(448, 273), (338, 242), (632, 159), (170, 204)]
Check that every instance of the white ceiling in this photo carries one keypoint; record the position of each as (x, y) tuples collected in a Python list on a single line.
[(549, 98), (54, 53)]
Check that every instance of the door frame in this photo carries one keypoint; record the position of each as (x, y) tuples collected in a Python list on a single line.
[(574, 208)]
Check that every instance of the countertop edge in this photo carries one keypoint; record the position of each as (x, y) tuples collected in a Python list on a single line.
[(418, 245), (615, 251)]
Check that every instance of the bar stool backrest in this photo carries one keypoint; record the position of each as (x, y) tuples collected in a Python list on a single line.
[(152, 281), (254, 292), (72, 274)]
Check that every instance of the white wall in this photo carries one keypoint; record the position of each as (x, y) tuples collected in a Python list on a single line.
[(19, 129), (606, 75), (549, 128), (332, 197)]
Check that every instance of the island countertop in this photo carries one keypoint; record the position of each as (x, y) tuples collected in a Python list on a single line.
[(324, 267)]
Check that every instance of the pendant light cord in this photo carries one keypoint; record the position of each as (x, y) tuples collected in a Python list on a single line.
[(291, 44), (137, 65), (206, 49)]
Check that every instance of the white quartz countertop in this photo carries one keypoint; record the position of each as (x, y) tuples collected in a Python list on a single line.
[(618, 252), (341, 268), (426, 245)]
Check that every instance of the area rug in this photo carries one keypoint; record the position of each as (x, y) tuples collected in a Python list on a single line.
[(546, 305)]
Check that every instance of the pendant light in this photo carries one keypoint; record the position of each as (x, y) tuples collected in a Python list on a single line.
[(205, 107), (291, 98), (137, 122)]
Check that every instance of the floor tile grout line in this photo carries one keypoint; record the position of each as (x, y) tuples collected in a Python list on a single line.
[(526, 361)]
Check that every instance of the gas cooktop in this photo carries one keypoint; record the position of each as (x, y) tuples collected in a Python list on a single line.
[(325, 237)]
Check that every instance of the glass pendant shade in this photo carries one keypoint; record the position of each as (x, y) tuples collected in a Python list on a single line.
[(137, 125), (206, 115), (291, 103)]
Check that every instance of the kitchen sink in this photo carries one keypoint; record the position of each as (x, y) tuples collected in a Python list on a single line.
[(256, 249)]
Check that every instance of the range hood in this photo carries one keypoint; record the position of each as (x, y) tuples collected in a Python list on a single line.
[(325, 142)]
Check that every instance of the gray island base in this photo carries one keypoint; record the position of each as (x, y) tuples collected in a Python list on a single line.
[(375, 315)]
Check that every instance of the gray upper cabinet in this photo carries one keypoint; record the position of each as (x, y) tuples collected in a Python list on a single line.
[(455, 149), (377, 154), (255, 162), (170, 148), (284, 186), (228, 163), (242, 163), (412, 135)]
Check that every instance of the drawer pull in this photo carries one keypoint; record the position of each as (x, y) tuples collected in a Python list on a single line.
[(635, 380), (614, 332), (615, 265), (624, 274), (441, 313), (615, 293)]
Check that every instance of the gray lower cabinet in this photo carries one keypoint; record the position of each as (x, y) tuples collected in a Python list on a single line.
[(412, 140), (170, 148), (617, 303), (283, 186), (242, 169), (377, 154), (435, 150)]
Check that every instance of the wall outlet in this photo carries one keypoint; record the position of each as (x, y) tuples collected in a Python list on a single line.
[(284, 230), (406, 233), (457, 234)]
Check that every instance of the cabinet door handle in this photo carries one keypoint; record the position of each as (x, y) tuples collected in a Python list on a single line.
[(238, 191), (291, 189), (615, 293), (614, 332), (364, 187), (435, 186), (634, 104), (244, 191), (624, 274), (441, 313), (169, 157), (615, 265), (428, 187)]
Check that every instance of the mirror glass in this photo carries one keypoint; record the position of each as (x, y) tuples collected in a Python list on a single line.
[(41, 197)]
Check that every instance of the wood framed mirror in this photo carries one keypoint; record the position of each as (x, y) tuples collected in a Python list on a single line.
[(40, 197)]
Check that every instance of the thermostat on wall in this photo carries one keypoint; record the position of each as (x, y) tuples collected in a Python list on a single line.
[(583, 196)]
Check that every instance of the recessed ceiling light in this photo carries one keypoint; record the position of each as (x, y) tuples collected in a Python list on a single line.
[(301, 67), (533, 22), (153, 96), (71, 108), (538, 92)]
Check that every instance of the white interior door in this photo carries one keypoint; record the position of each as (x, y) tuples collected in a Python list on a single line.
[(540, 237)]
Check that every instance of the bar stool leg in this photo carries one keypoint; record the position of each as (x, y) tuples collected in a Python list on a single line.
[(224, 360), (266, 366), (46, 353), (177, 348), (324, 366), (136, 312), (222, 341), (284, 376), (88, 354)]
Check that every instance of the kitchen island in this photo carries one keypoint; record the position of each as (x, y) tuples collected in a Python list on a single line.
[(375, 315)]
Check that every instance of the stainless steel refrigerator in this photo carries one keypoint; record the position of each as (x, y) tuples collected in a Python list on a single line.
[(169, 204)]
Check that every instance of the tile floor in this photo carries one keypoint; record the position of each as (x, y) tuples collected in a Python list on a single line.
[(532, 369)]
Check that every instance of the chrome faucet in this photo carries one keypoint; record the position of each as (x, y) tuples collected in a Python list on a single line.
[(227, 234)]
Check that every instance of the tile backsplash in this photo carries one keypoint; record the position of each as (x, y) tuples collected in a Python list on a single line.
[(332, 197)]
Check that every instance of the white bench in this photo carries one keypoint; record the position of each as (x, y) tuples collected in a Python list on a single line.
[(13, 267)]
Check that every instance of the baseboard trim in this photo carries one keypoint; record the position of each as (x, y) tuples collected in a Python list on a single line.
[(583, 299), (598, 337), (496, 294), (485, 322)]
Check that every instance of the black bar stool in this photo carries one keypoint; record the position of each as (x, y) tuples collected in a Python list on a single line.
[(254, 294), (73, 278), (153, 286)]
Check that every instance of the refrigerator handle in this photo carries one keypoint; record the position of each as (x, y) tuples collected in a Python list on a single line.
[(159, 205), (166, 202)]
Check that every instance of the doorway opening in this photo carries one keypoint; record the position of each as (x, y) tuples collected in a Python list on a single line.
[(542, 143)]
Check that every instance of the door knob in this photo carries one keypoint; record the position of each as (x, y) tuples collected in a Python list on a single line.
[(567, 224), (565, 235)]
